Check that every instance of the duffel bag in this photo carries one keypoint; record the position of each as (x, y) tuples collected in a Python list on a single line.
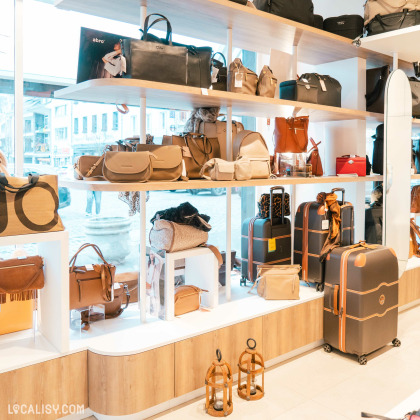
[(405, 19), (298, 10), (349, 26), (329, 89), (374, 8)]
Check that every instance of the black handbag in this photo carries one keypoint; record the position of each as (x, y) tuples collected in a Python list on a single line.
[(219, 73), (378, 151), (329, 89), (298, 10), (318, 22), (385, 23), (375, 88), (415, 93), (298, 90), (349, 26), (244, 2)]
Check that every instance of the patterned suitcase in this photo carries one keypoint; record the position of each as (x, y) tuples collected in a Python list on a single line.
[(361, 299), (311, 231), (265, 241)]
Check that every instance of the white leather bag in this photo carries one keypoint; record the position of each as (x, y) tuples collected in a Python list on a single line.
[(386, 7)]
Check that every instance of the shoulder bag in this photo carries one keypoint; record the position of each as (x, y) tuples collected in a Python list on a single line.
[(128, 166), (291, 135), (187, 299), (241, 79), (267, 83), (314, 159), (375, 8), (89, 167), (92, 284)]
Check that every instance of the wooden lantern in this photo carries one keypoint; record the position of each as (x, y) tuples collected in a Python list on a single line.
[(252, 364), (218, 384)]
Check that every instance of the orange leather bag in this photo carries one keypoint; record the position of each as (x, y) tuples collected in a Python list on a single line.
[(291, 135), (415, 199), (314, 159)]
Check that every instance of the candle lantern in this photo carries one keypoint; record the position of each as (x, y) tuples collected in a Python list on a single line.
[(252, 364), (219, 388)]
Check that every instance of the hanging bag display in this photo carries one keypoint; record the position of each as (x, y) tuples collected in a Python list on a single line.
[(291, 135), (241, 79), (29, 205), (219, 72), (267, 83)]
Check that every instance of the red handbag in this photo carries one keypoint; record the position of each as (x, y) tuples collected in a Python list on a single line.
[(351, 164)]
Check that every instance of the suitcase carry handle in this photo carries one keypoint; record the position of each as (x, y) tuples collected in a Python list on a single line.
[(272, 189), (335, 296), (339, 190)]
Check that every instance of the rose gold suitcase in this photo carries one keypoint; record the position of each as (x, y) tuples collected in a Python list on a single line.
[(361, 299)]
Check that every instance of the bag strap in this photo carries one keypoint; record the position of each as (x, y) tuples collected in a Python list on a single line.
[(314, 145), (162, 18), (72, 262), (219, 53), (123, 108), (6, 186), (216, 253), (254, 285)]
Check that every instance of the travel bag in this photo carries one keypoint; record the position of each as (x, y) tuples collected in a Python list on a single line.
[(391, 22), (329, 89), (378, 151), (312, 227), (361, 299), (349, 26), (350, 164), (298, 10), (299, 90), (265, 241), (375, 88)]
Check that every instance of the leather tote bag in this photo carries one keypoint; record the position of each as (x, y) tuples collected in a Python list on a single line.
[(298, 10), (219, 72), (166, 161), (241, 79), (89, 167), (375, 88), (267, 83), (329, 89), (314, 159), (21, 278), (156, 61), (29, 205), (128, 166), (415, 93), (291, 135), (374, 8), (92, 284), (405, 19)]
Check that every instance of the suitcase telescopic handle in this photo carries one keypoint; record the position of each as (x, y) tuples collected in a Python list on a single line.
[(341, 190), (272, 189)]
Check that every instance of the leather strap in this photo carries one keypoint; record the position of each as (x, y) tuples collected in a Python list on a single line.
[(374, 416), (94, 166), (84, 246), (251, 249), (216, 253), (123, 108), (314, 145)]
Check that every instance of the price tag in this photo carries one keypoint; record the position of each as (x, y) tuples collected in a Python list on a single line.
[(89, 267), (325, 224), (204, 91), (271, 245), (305, 80), (117, 286), (238, 80), (186, 151), (323, 87), (214, 74)]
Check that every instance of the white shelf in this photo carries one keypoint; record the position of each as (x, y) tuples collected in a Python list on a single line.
[(165, 95), (202, 183), (34, 238), (402, 41)]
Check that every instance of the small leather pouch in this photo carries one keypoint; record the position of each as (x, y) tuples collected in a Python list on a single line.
[(187, 299), (241, 79), (267, 83), (128, 166), (88, 167), (278, 282), (218, 170), (166, 163)]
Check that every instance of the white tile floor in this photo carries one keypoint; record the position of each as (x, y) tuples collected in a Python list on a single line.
[(322, 386)]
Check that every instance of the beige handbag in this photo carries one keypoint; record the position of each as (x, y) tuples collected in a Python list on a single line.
[(167, 163), (267, 83), (278, 282), (241, 79), (386, 7), (218, 170), (128, 166), (187, 299), (243, 169), (172, 237), (88, 167)]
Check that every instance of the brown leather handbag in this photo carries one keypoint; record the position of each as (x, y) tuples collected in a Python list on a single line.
[(415, 199), (187, 299), (314, 159), (21, 278), (291, 135), (92, 284), (267, 83), (414, 249), (88, 167), (241, 79)]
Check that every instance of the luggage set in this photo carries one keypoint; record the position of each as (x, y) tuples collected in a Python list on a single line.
[(360, 280)]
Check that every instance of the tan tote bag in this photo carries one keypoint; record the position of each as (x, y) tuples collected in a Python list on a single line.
[(29, 205)]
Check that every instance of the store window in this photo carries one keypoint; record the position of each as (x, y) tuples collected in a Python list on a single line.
[(115, 120), (76, 126), (104, 122), (94, 123)]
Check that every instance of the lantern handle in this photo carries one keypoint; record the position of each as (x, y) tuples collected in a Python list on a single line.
[(219, 355), (254, 346)]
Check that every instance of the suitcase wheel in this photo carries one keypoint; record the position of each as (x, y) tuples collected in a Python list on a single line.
[(362, 360), (396, 342), (243, 281), (327, 348), (320, 287)]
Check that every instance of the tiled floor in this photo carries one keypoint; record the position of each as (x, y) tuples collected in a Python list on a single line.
[(322, 386)]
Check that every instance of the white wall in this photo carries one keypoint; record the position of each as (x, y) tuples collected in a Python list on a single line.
[(328, 8)]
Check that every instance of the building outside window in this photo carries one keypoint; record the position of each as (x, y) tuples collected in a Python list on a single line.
[(94, 123), (61, 133), (115, 120), (85, 124), (61, 111), (76, 126), (104, 122)]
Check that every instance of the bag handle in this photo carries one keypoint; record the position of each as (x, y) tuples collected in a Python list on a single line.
[(6, 186), (314, 145), (72, 262), (206, 153), (216, 253), (162, 18), (283, 199), (342, 190), (123, 108), (219, 53), (335, 295)]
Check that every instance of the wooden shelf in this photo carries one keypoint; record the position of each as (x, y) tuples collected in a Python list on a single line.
[(200, 184), (401, 41), (164, 95), (252, 29)]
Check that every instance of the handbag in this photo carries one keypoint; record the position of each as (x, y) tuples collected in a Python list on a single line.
[(219, 73), (92, 284), (299, 90), (264, 206), (349, 26), (415, 199), (88, 167), (314, 159), (172, 237), (277, 282), (241, 79), (415, 93), (393, 21), (375, 88), (291, 135), (350, 164), (166, 161), (329, 89), (21, 278), (298, 10), (187, 299), (374, 8), (378, 151), (267, 83), (128, 166), (414, 249), (218, 170), (29, 205)]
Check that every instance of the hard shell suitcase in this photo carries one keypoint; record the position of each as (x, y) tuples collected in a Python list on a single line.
[(349, 26), (361, 299), (311, 231), (265, 241)]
